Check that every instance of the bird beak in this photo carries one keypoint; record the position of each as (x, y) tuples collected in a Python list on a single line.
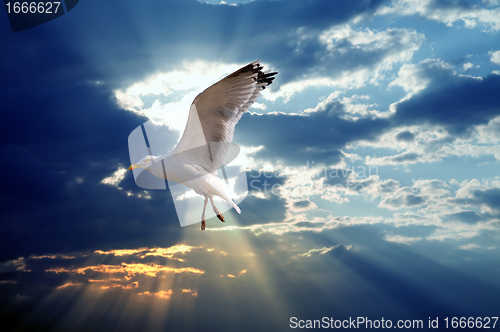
[(132, 167)]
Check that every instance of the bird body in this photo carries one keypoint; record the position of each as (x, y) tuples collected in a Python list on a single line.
[(194, 176), (207, 137)]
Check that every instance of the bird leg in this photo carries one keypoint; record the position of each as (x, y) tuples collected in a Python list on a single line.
[(217, 212), (203, 214)]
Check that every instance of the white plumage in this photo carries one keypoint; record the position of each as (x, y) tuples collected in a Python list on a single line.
[(207, 137)]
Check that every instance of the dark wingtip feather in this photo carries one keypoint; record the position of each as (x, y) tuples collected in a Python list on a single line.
[(264, 77), (256, 68)]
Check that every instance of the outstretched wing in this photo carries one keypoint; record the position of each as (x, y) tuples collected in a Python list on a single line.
[(215, 112)]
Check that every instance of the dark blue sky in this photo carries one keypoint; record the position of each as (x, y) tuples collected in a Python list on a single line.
[(380, 137)]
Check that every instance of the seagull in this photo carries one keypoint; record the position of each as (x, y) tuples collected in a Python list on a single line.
[(208, 134)]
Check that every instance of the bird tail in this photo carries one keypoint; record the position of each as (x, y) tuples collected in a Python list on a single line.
[(218, 188), (235, 207)]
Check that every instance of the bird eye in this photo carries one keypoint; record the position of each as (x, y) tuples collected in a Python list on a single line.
[(148, 160)]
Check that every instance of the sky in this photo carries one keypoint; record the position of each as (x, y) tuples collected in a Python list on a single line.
[(372, 165)]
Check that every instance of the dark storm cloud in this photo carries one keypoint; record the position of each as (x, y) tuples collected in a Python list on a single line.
[(489, 197), (257, 210), (455, 102), (309, 224), (468, 217), (302, 204), (143, 38), (28, 178), (318, 136), (62, 146), (120, 50), (388, 186), (405, 136), (403, 198), (405, 157), (412, 200)]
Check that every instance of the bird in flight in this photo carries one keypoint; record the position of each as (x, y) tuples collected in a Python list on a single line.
[(208, 134)]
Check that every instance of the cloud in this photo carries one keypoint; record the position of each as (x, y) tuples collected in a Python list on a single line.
[(444, 209), (116, 178), (468, 217), (432, 122), (301, 223), (404, 158), (448, 100), (447, 12), (489, 197), (402, 239), (402, 198), (129, 270), (317, 136), (410, 79), (324, 250), (469, 246), (302, 204), (170, 94), (14, 265), (144, 252), (161, 294), (433, 143), (405, 136), (467, 66), (336, 57), (495, 57), (343, 57)]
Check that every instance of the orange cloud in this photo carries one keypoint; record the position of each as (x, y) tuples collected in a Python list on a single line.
[(68, 284), (193, 293), (143, 252), (121, 252), (133, 285), (160, 294), (150, 270), (169, 252), (233, 276)]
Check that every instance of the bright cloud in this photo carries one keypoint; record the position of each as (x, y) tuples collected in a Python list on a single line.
[(446, 12), (495, 57), (116, 178), (172, 92), (378, 51), (324, 250), (467, 66)]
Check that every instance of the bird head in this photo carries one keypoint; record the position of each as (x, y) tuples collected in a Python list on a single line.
[(144, 162)]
